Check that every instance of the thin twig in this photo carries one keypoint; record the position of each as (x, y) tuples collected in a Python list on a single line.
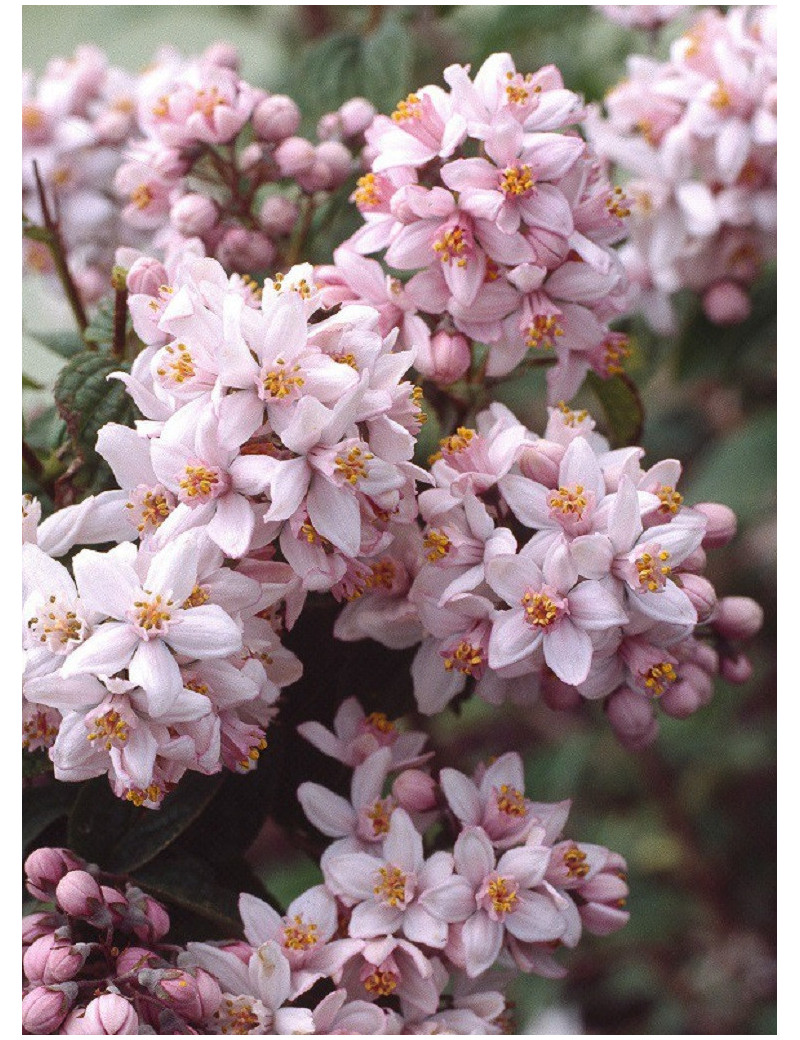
[(120, 313), (31, 460), (298, 245), (55, 244)]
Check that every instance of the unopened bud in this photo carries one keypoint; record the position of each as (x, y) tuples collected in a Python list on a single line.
[(194, 215), (278, 215), (701, 595), (726, 303), (44, 868), (736, 669), (695, 562), (737, 617), (720, 524), (223, 54), (78, 894), (630, 713), (146, 276), (242, 250), (681, 700), (34, 926), (414, 790), (355, 116), (46, 1007), (107, 1015), (445, 359), (276, 118), (329, 128), (541, 461)]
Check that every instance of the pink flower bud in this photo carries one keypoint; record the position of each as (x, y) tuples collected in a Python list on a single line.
[(705, 657), (46, 1007), (148, 918), (701, 595), (116, 903), (169, 164), (135, 959), (736, 669), (106, 1015), (640, 741), (250, 157), (630, 713), (446, 359), (278, 215), (294, 155), (112, 127), (337, 159), (681, 700), (194, 998), (146, 276), (414, 790), (78, 894), (223, 54), (726, 303), (44, 868), (53, 959), (720, 526), (329, 128), (541, 461), (355, 116), (695, 562), (242, 250), (34, 926), (194, 215), (275, 118), (91, 283), (558, 696), (738, 617)]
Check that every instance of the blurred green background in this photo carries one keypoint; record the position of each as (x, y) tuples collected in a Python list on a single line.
[(695, 814)]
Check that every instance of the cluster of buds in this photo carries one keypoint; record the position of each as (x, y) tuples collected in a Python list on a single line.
[(96, 964), (184, 155), (418, 939), (262, 431), (553, 564), (487, 193), (650, 17), (696, 138)]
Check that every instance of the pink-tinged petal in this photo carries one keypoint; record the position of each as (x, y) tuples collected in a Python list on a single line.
[(421, 927), (259, 919), (507, 769), (128, 454), (270, 975), (322, 739), (466, 281), (512, 639), (474, 855), (288, 484), (43, 575), (680, 537), (452, 901), (527, 864), (239, 415), (107, 651), (504, 139), (106, 584), (67, 694), (226, 968), (511, 576), (318, 905), (592, 555), (594, 606), (370, 920), (232, 525), (551, 154), (624, 517), (352, 876), (482, 940), (469, 173), (528, 500), (547, 209), (368, 778), (671, 604), (335, 514), (484, 204), (580, 466), (413, 246), (328, 812), (403, 844), (205, 631), (505, 249), (462, 796), (535, 918), (434, 685), (559, 569), (173, 570), (155, 669), (568, 651), (138, 757), (291, 1021)]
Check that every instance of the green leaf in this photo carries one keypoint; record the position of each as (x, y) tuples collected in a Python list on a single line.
[(386, 55), (46, 432), (120, 837), (87, 399), (42, 806), (63, 342), (186, 881), (622, 406), (101, 328), (30, 384)]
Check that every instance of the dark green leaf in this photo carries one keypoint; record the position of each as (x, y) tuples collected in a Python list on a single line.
[(622, 406), (186, 882), (42, 805), (386, 55), (63, 342), (101, 328), (98, 820), (30, 384), (46, 432)]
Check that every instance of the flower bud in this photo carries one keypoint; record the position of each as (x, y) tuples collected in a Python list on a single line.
[(705, 657), (278, 215), (720, 525), (194, 215), (275, 118), (136, 959), (701, 595), (355, 116), (630, 713), (148, 919), (91, 283), (640, 741), (52, 959), (46, 1007), (44, 868), (116, 903), (193, 998), (681, 700), (737, 617), (541, 460), (78, 894), (146, 276), (736, 669), (295, 155), (446, 359), (222, 54), (112, 127), (242, 250), (558, 696), (107, 1015), (337, 159), (250, 157), (726, 303), (34, 926), (695, 562), (414, 790), (329, 128)]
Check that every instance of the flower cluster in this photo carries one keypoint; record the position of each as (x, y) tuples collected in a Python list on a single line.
[(412, 937), (697, 138), (96, 964), (489, 195), (261, 430), (555, 564), (184, 155)]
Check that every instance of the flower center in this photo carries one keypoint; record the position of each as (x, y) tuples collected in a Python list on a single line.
[(517, 181), (299, 936), (616, 350), (196, 598), (180, 365), (237, 1018), (542, 332), (57, 625), (540, 610), (511, 801), (38, 731), (141, 196), (466, 658), (380, 815), (382, 575), (569, 501), (437, 544), (671, 500), (279, 382), (658, 678), (653, 571), (381, 983), (570, 418), (410, 109), (453, 444), (139, 795), (721, 97), (617, 204), (200, 482), (377, 720), (367, 193), (353, 466), (575, 862), (109, 729), (152, 616), (453, 245), (391, 887), (154, 510), (206, 101), (503, 894)]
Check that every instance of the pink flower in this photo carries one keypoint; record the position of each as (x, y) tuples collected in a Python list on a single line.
[(357, 735)]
